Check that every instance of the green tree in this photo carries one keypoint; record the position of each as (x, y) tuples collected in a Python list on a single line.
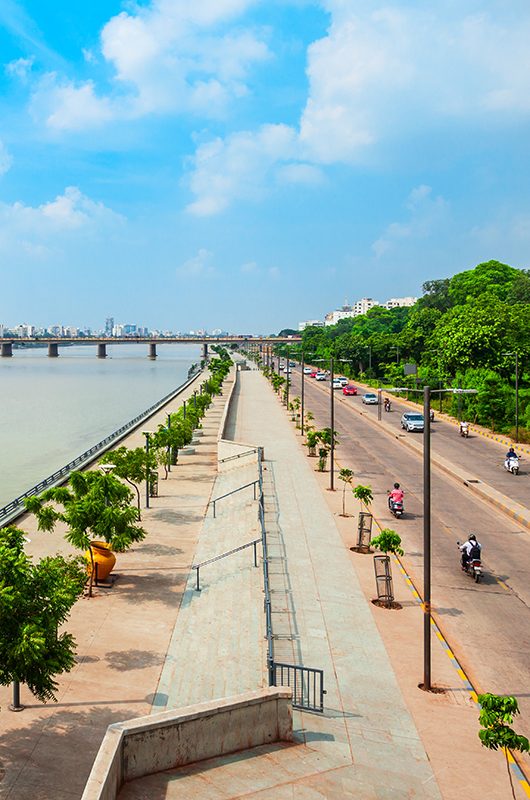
[(496, 717), (489, 278), (35, 600), (388, 541), (95, 506), (346, 476), (363, 494), (131, 465)]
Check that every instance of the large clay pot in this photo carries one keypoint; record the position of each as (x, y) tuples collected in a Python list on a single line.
[(104, 559)]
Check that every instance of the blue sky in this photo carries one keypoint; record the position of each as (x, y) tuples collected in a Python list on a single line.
[(246, 165)]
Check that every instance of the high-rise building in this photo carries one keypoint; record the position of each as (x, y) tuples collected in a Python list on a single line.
[(109, 325)]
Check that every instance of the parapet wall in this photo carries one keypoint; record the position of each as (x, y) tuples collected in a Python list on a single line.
[(237, 453), (146, 745)]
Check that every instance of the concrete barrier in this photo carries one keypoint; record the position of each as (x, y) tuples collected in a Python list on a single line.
[(143, 746)]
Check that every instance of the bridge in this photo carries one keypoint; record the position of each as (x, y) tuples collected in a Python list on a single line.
[(101, 342)]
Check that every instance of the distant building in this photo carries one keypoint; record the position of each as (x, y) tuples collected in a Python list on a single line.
[(310, 323), (400, 302), (109, 326), (364, 305)]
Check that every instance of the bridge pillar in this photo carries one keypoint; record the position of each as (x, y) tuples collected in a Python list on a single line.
[(7, 349), (53, 350), (102, 350), (205, 351), (152, 351)]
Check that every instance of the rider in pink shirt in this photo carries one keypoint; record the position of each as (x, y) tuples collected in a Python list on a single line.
[(396, 495)]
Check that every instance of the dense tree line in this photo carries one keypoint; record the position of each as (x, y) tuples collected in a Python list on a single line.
[(464, 331)]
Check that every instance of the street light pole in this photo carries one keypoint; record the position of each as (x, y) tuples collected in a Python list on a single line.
[(287, 373), (169, 446), (146, 434), (332, 453), (427, 539), (516, 396), (302, 398)]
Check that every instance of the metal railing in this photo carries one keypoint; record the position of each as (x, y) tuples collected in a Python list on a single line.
[(266, 586), (197, 567), (89, 454), (238, 455), (239, 488), (307, 685)]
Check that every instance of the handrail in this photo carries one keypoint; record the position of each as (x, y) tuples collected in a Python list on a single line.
[(239, 488), (224, 555), (238, 455), (87, 455), (266, 587)]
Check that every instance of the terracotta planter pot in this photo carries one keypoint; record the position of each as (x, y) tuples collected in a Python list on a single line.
[(104, 559)]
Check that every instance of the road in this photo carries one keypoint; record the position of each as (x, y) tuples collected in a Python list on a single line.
[(487, 624)]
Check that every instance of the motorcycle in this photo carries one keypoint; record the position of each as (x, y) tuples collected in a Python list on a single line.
[(431, 415), (512, 465), (396, 507), (388, 404), (472, 565), (464, 430)]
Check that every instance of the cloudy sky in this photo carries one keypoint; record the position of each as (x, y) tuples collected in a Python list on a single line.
[(246, 164)]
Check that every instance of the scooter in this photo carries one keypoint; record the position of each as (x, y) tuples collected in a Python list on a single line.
[(431, 415), (512, 465), (464, 430), (472, 565), (388, 404), (396, 507)]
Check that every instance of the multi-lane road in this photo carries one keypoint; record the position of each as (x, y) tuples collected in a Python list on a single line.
[(488, 624)]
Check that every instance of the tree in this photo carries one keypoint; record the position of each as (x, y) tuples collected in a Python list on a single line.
[(496, 716), (364, 494), (131, 465), (388, 541), (95, 506), (345, 475), (488, 278), (35, 600)]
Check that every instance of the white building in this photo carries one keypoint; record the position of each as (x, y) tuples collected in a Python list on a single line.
[(400, 302), (363, 305), (310, 323)]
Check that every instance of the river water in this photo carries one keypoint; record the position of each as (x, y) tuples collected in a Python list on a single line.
[(53, 409)]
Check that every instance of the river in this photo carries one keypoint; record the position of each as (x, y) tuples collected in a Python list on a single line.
[(53, 409)]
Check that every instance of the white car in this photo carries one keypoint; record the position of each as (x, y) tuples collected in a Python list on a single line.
[(307, 370), (336, 384), (370, 399), (320, 376), (342, 380)]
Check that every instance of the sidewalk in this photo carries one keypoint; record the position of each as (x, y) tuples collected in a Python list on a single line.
[(122, 633)]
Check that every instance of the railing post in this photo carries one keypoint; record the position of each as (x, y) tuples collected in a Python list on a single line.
[(254, 488), (197, 587), (213, 502), (255, 555)]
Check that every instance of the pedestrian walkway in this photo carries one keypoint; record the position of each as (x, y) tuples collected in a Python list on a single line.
[(217, 648), (365, 744), (122, 633)]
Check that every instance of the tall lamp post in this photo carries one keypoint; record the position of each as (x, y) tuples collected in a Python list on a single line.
[(147, 435), (426, 605), (516, 354)]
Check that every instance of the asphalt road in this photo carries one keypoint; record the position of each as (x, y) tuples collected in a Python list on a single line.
[(487, 624)]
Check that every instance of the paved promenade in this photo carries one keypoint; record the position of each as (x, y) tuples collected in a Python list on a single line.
[(122, 634)]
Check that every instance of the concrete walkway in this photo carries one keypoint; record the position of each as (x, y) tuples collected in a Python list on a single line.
[(366, 744), (122, 633)]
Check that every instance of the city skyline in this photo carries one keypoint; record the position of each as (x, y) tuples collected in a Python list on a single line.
[(242, 164)]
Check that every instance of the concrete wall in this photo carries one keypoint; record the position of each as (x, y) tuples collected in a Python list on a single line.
[(226, 448), (174, 738)]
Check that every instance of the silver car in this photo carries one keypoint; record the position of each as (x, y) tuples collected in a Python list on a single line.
[(370, 399), (412, 421)]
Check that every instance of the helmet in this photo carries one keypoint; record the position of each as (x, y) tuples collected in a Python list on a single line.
[(396, 486), (472, 537)]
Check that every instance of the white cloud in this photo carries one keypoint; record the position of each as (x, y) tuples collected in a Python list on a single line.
[(249, 268), (197, 266), (19, 68), (71, 214), (5, 159), (170, 56), (426, 215), (237, 167)]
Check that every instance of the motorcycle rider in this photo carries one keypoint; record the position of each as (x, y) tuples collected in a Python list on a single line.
[(396, 495), (470, 549), (509, 455), (387, 404), (464, 426)]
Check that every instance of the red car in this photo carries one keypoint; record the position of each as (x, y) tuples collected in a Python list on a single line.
[(349, 390), (313, 374)]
